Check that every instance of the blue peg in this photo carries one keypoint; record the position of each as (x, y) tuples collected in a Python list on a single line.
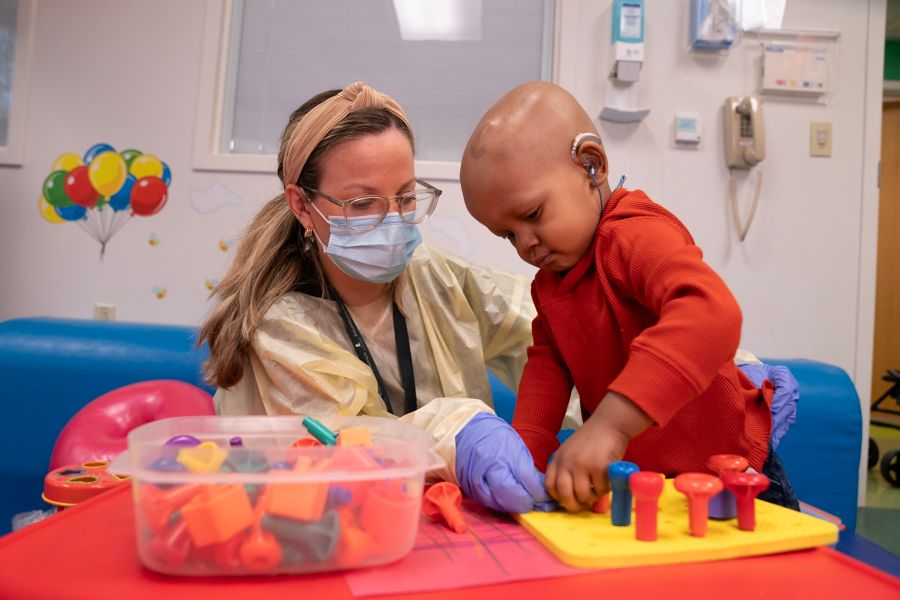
[(619, 472)]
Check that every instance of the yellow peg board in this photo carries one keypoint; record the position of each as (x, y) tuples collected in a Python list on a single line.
[(590, 540)]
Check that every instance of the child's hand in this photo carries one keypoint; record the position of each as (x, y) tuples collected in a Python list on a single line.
[(577, 476)]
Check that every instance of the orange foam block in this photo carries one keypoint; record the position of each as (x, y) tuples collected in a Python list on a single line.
[(217, 514), (298, 501), (388, 514), (354, 436)]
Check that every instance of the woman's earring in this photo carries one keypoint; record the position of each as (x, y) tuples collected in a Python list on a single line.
[(307, 239)]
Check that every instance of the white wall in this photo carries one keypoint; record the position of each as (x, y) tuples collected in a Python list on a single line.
[(126, 73)]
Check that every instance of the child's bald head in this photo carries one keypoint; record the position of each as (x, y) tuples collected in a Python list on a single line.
[(532, 125), (519, 156)]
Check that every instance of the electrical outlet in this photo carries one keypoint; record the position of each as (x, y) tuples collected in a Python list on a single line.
[(104, 312), (820, 139)]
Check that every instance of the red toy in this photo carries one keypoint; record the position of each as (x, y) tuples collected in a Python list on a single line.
[(71, 484), (699, 488), (646, 487), (443, 500), (746, 487), (99, 430)]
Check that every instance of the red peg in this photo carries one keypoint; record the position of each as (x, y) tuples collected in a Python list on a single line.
[(225, 554), (726, 463), (173, 547), (307, 443), (260, 552), (699, 488), (601, 506), (158, 505), (746, 487), (646, 487), (444, 500)]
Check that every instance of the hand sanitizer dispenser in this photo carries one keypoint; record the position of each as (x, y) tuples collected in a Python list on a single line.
[(628, 39), (628, 57)]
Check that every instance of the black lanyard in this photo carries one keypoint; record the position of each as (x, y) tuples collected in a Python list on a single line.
[(404, 355)]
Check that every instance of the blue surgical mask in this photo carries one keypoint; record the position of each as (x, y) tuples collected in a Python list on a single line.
[(379, 255)]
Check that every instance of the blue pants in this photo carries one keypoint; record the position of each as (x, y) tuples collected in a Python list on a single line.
[(780, 491)]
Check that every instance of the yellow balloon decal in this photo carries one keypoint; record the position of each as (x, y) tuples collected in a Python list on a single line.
[(47, 211), (146, 165), (107, 173), (66, 162)]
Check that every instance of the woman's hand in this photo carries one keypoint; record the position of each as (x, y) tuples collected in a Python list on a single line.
[(577, 477), (494, 467)]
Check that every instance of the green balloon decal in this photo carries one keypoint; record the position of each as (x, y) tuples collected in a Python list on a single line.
[(55, 189), (129, 155)]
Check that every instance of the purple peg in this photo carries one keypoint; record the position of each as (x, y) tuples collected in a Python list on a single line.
[(338, 496), (183, 440), (169, 465)]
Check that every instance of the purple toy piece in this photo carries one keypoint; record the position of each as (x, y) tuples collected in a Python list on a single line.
[(169, 465), (183, 440), (722, 506), (236, 441), (338, 496), (171, 447), (281, 465)]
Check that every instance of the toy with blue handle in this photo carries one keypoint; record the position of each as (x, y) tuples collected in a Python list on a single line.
[(619, 472)]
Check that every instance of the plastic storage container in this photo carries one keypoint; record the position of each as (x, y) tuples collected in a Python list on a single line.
[(257, 495)]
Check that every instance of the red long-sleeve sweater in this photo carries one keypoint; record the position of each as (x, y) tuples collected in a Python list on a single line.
[(642, 315)]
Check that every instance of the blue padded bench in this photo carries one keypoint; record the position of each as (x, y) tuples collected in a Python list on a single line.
[(822, 450), (51, 368)]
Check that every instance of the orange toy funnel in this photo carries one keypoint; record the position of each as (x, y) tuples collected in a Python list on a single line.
[(444, 500)]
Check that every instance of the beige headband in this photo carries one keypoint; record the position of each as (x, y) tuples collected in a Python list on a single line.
[(316, 124)]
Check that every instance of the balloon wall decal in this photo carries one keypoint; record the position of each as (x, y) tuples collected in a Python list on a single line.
[(102, 189)]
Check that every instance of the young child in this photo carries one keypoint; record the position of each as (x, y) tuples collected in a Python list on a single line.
[(628, 312)]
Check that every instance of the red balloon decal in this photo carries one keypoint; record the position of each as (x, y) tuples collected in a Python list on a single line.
[(79, 189), (148, 196)]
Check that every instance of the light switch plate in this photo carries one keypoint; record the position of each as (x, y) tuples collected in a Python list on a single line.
[(820, 139)]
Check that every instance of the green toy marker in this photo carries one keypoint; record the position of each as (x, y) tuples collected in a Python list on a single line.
[(320, 432)]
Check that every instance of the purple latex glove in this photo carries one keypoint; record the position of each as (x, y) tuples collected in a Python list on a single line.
[(494, 467), (784, 400)]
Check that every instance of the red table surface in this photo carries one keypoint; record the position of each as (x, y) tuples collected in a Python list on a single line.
[(89, 552)]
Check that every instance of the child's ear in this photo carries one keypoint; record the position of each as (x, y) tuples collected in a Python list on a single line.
[(587, 151)]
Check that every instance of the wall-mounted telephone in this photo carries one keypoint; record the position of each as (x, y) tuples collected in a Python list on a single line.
[(745, 147), (745, 138)]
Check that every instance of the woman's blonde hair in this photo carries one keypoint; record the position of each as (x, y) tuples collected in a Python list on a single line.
[(270, 259)]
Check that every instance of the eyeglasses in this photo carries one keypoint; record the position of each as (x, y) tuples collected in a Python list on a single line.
[(365, 213)]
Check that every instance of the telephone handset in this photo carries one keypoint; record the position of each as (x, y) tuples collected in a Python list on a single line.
[(745, 147), (745, 138)]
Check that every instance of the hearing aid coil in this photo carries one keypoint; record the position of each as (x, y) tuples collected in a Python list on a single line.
[(587, 162)]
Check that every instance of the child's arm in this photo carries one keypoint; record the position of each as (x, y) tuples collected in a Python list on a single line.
[(698, 324), (577, 476), (543, 396)]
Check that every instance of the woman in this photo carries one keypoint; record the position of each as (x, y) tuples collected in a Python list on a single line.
[(333, 307)]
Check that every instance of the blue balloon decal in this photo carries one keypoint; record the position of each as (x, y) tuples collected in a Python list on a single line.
[(71, 213), (95, 150), (166, 175), (121, 200)]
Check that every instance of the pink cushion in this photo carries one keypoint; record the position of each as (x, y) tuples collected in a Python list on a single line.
[(99, 430)]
